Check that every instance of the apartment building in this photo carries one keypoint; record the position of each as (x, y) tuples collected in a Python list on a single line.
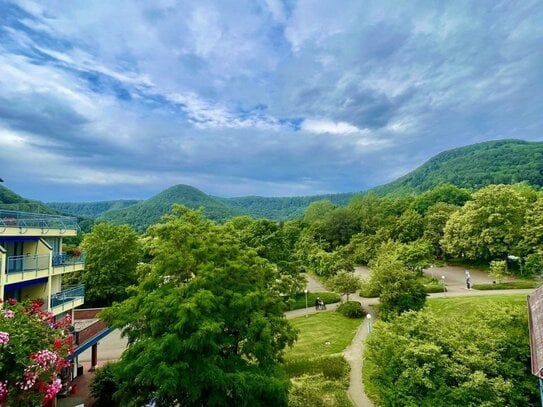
[(33, 265)]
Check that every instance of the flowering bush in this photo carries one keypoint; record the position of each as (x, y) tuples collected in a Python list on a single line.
[(33, 351)]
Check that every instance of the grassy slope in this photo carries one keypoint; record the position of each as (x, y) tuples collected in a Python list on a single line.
[(458, 306), (319, 375), (321, 334)]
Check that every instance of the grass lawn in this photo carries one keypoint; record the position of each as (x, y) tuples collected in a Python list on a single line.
[(319, 374), (463, 305), (324, 333)]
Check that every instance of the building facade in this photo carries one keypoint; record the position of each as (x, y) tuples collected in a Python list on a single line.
[(33, 263)]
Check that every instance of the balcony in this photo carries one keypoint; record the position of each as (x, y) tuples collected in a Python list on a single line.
[(36, 223), (67, 299), (20, 268), (64, 263)]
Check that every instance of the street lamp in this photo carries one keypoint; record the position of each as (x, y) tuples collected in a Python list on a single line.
[(443, 282), (432, 271), (369, 323), (305, 291)]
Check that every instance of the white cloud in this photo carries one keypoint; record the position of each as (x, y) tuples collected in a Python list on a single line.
[(321, 126)]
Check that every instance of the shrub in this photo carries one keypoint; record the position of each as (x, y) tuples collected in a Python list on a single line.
[(368, 290), (352, 309), (331, 367), (104, 385), (507, 286), (434, 288), (33, 352)]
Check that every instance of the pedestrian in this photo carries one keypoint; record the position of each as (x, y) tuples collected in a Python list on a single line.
[(468, 281), (323, 306), (317, 303)]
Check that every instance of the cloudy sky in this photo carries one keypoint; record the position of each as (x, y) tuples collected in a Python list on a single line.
[(122, 99)]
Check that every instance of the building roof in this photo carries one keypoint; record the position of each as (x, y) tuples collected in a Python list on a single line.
[(535, 323)]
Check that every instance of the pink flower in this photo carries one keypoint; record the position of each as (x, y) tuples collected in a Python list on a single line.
[(8, 314), (29, 379), (3, 390), (45, 358), (53, 389), (4, 338)]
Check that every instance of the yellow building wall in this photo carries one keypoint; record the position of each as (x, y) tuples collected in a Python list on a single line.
[(56, 283), (37, 247), (33, 292)]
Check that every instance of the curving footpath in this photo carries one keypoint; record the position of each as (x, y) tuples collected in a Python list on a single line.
[(354, 353)]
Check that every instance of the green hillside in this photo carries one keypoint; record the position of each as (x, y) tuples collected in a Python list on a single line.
[(90, 209), (474, 166), (281, 208), (9, 200), (148, 212)]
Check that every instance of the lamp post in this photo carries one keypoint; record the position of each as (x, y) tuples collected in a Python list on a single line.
[(443, 282), (432, 271), (369, 323), (305, 291)]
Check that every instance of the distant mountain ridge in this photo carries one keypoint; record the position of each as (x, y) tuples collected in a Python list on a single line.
[(90, 209), (145, 213), (474, 166)]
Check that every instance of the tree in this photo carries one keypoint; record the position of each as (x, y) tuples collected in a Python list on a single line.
[(345, 283), (112, 255), (399, 289), (487, 227), (205, 325), (435, 219), (409, 226), (34, 349), (476, 357), (498, 269), (372, 211), (317, 210), (447, 194)]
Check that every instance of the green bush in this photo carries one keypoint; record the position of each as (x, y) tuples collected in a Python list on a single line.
[(298, 301), (103, 385), (507, 285), (352, 309), (434, 288), (367, 290), (332, 367)]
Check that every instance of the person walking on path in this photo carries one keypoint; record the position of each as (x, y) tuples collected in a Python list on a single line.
[(317, 303)]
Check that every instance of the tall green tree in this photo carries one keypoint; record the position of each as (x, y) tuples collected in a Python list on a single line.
[(345, 283), (112, 255), (487, 227), (205, 325), (317, 210), (398, 287)]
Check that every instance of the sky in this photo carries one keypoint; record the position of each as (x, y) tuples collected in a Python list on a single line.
[(119, 99)]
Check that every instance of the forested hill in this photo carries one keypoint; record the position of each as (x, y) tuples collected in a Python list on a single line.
[(148, 212), (281, 208), (474, 166), (9, 200), (90, 209)]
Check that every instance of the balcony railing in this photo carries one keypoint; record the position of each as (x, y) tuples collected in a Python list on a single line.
[(70, 295), (27, 266), (65, 259), (36, 220)]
